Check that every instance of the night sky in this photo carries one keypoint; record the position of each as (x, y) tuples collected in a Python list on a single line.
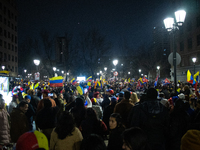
[(129, 20)]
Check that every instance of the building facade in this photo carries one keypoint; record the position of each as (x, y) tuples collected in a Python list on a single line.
[(187, 39), (8, 36)]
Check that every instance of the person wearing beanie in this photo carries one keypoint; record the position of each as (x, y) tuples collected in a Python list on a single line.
[(152, 117), (191, 140), (124, 107), (30, 112), (97, 108)]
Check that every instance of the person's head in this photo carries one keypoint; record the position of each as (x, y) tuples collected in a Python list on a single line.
[(134, 98), (96, 95), (191, 140), (60, 96), (109, 92), (113, 100), (31, 92), (33, 140), (65, 125), (47, 103), (28, 98), (91, 114), (54, 95), (93, 142), (152, 93), (23, 106), (115, 121), (134, 139), (127, 95), (45, 93), (79, 102), (15, 98), (2, 103)]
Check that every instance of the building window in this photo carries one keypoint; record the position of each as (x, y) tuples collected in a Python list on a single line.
[(5, 33), (5, 44), (8, 45), (8, 23), (15, 59), (12, 47), (15, 48), (12, 26), (9, 14), (15, 39), (198, 40), (16, 28), (1, 31), (1, 18), (189, 42), (198, 21), (5, 57), (9, 67), (15, 69), (12, 16), (1, 6), (15, 18), (181, 46), (4, 10), (189, 26), (8, 34), (8, 57), (12, 58), (1, 56), (5, 21)]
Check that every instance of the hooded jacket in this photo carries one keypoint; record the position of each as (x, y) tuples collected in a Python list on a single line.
[(4, 127)]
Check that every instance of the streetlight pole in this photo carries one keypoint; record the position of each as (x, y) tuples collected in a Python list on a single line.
[(54, 69), (139, 73), (172, 27), (194, 60), (158, 68), (25, 73), (115, 62)]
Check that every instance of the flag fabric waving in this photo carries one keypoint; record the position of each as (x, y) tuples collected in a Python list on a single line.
[(166, 81), (56, 81), (196, 79), (156, 81), (89, 79), (145, 80), (190, 78)]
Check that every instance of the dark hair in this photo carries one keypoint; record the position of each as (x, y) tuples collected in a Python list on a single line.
[(47, 103), (65, 126), (127, 94), (22, 104), (79, 102), (91, 114), (93, 142), (135, 138), (118, 119)]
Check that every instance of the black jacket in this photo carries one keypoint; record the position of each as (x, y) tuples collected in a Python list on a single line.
[(153, 118)]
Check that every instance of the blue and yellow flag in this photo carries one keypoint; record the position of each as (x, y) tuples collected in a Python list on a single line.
[(89, 78), (190, 78), (56, 81), (196, 77), (36, 85)]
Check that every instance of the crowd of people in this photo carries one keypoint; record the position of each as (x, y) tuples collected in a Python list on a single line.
[(152, 118)]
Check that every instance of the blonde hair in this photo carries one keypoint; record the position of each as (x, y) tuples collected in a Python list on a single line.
[(134, 98)]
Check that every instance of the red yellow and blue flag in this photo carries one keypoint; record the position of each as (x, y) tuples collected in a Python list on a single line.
[(89, 79), (56, 81), (190, 78)]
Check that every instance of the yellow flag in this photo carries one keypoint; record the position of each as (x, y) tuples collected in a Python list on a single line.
[(79, 90), (100, 78)]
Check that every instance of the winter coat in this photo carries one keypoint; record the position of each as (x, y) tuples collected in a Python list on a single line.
[(123, 108), (34, 101), (115, 141), (19, 124), (152, 117), (29, 114), (47, 118), (106, 114), (71, 142), (79, 115), (106, 101), (4, 127)]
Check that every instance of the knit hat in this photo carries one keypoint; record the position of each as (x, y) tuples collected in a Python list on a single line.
[(152, 93), (181, 96), (113, 99), (191, 140), (28, 97), (110, 91), (32, 141)]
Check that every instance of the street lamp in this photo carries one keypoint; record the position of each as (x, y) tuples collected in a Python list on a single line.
[(129, 73), (172, 27), (115, 62), (54, 68), (194, 60), (25, 71), (100, 72), (105, 68), (158, 69), (36, 62), (139, 72), (68, 73), (121, 64), (3, 67), (62, 72)]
